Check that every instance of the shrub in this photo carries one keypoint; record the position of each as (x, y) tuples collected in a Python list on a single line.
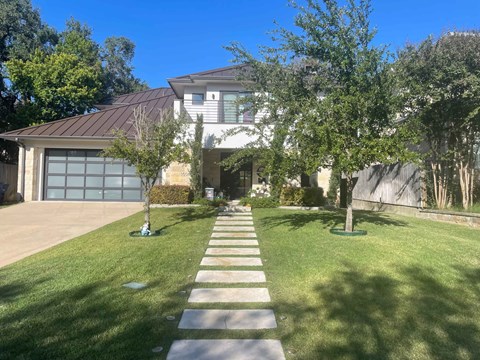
[(214, 203), (171, 194), (305, 196), (260, 202)]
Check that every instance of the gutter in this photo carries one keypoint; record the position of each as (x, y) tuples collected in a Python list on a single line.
[(24, 159)]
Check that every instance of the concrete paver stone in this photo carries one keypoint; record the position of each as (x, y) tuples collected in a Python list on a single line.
[(234, 222), (235, 214), (230, 276), (234, 235), (227, 349), (234, 218), (135, 285), (231, 261), (241, 242), (229, 295), (228, 319), (232, 251), (234, 228)]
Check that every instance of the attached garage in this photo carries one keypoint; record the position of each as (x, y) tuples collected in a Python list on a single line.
[(83, 175), (59, 160)]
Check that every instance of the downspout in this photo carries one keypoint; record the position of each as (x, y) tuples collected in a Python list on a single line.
[(24, 159)]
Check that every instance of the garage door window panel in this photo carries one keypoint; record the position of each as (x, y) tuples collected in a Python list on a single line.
[(83, 175)]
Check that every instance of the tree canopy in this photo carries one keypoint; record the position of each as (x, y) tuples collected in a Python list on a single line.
[(439, 80), (332, 89), (159, 141), (46, 75)]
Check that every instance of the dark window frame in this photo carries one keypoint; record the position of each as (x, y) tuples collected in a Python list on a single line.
[(197, 101)]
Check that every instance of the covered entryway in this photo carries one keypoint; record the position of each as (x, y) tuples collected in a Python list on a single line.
[(74, 174), (236, 184)]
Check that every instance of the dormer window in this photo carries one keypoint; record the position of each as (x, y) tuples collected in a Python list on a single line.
[(198, 98)]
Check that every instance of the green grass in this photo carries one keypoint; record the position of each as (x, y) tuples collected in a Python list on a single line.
[(473, 209), (408, 290), (68, 302)]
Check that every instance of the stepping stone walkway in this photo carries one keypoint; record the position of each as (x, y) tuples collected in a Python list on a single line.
[(233, 227)]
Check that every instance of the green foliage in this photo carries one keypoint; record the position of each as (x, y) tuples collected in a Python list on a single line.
[(77, 40), (171, 194), (331, 90), (260, 202), (440, 82), (302, 196), (52, 75), (21, 32), (334, 184), (214, 203), (117, 55), (159, 141), (55, 86), (196, 158)]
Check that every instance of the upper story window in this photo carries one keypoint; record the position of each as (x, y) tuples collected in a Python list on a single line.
[(234, 110), (198, 98)]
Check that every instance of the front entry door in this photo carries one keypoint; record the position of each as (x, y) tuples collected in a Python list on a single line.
[(235, 184)]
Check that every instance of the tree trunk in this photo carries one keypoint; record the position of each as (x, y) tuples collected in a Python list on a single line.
[(146, 208), (440, 184), (147, 189), (349, 218)]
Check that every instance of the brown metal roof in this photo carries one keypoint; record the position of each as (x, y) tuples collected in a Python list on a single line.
[(99, 124), (142, 96), (135, 97), (116, 113)]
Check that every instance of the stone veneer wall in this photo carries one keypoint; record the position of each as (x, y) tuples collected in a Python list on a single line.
[(31, 173), (323, 179), (211, 170), (177, 174), (469, 219)]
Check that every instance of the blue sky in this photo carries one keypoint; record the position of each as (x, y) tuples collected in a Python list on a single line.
[(175, 37)]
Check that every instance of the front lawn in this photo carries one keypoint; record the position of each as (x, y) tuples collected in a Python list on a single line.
[(68, 302), (408, 290)]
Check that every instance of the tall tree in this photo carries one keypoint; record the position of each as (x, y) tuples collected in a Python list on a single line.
[(117, 56), (77, 40), (339, 101), (440, 82), (158, 141), (54, 86), (21, 32)]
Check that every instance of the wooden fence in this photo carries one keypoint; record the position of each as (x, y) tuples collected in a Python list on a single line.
[(394, 184), (8, 175)]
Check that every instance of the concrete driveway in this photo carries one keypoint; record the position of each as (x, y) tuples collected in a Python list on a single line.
[(28, 228)]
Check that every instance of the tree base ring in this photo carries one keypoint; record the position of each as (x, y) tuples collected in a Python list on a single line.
[(137, 233), (342, 232)]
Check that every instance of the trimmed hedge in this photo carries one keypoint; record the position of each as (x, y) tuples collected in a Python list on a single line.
[(260, 202), (302, 196), (171, 194)]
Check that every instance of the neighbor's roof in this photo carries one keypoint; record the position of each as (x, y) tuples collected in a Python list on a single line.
[(101, 123), (228, 72)]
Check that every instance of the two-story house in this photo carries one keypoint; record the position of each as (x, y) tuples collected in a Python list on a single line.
[(59, 160)]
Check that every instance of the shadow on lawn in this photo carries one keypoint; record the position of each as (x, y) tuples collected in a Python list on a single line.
[(329, 219), (377, 317), (88, 322), (191, 214)]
